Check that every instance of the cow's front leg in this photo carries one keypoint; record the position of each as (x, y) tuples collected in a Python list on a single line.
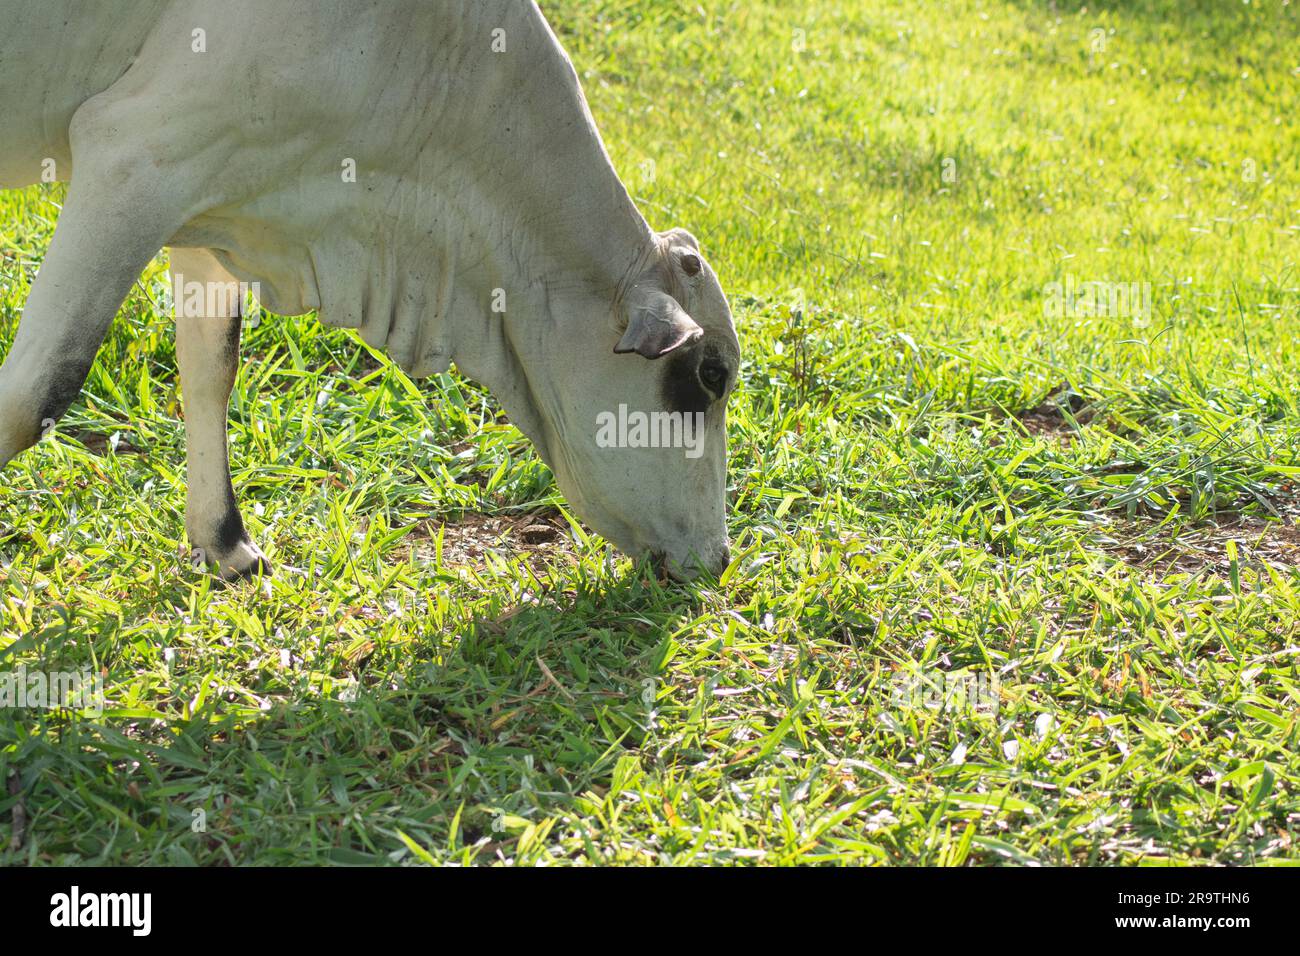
[(119, 212), (207, 351)]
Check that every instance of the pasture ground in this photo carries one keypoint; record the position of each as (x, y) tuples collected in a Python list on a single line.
[(1087, 523)]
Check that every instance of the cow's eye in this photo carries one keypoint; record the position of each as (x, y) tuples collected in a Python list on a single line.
[(713, 375)]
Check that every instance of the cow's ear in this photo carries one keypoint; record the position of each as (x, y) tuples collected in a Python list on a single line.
[(657, 325)]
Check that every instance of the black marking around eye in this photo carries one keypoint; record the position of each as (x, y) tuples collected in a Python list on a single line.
[(681, 389), (714, 376)]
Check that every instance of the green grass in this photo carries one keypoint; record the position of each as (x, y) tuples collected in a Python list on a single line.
[(415, 684)]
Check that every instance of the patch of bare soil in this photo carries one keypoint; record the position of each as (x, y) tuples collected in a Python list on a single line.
[(467, 540), (102, 445), (1204, 547), (1050, 419)]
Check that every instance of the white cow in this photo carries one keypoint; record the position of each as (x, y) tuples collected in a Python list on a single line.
[(424, 171)]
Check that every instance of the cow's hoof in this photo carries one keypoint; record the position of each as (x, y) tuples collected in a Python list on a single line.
[(11, 445), (242, 562), (18, 431)]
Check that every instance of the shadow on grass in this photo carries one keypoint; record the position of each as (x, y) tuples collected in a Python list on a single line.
[(506, 725)]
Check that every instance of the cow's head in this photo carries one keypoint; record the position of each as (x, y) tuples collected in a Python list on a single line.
[(636, 409)]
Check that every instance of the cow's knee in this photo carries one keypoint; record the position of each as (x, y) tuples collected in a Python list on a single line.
[(32, 400), (44, 371), (19, 426)]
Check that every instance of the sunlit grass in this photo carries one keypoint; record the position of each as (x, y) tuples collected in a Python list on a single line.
[(931, 474)]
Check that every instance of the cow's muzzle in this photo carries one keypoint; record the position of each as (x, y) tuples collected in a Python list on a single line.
[(714, 562)]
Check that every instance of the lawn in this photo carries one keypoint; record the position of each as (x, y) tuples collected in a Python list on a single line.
[(1016, 576)]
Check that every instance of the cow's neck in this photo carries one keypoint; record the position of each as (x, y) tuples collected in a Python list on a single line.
[(534, 176), (540, 166)]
